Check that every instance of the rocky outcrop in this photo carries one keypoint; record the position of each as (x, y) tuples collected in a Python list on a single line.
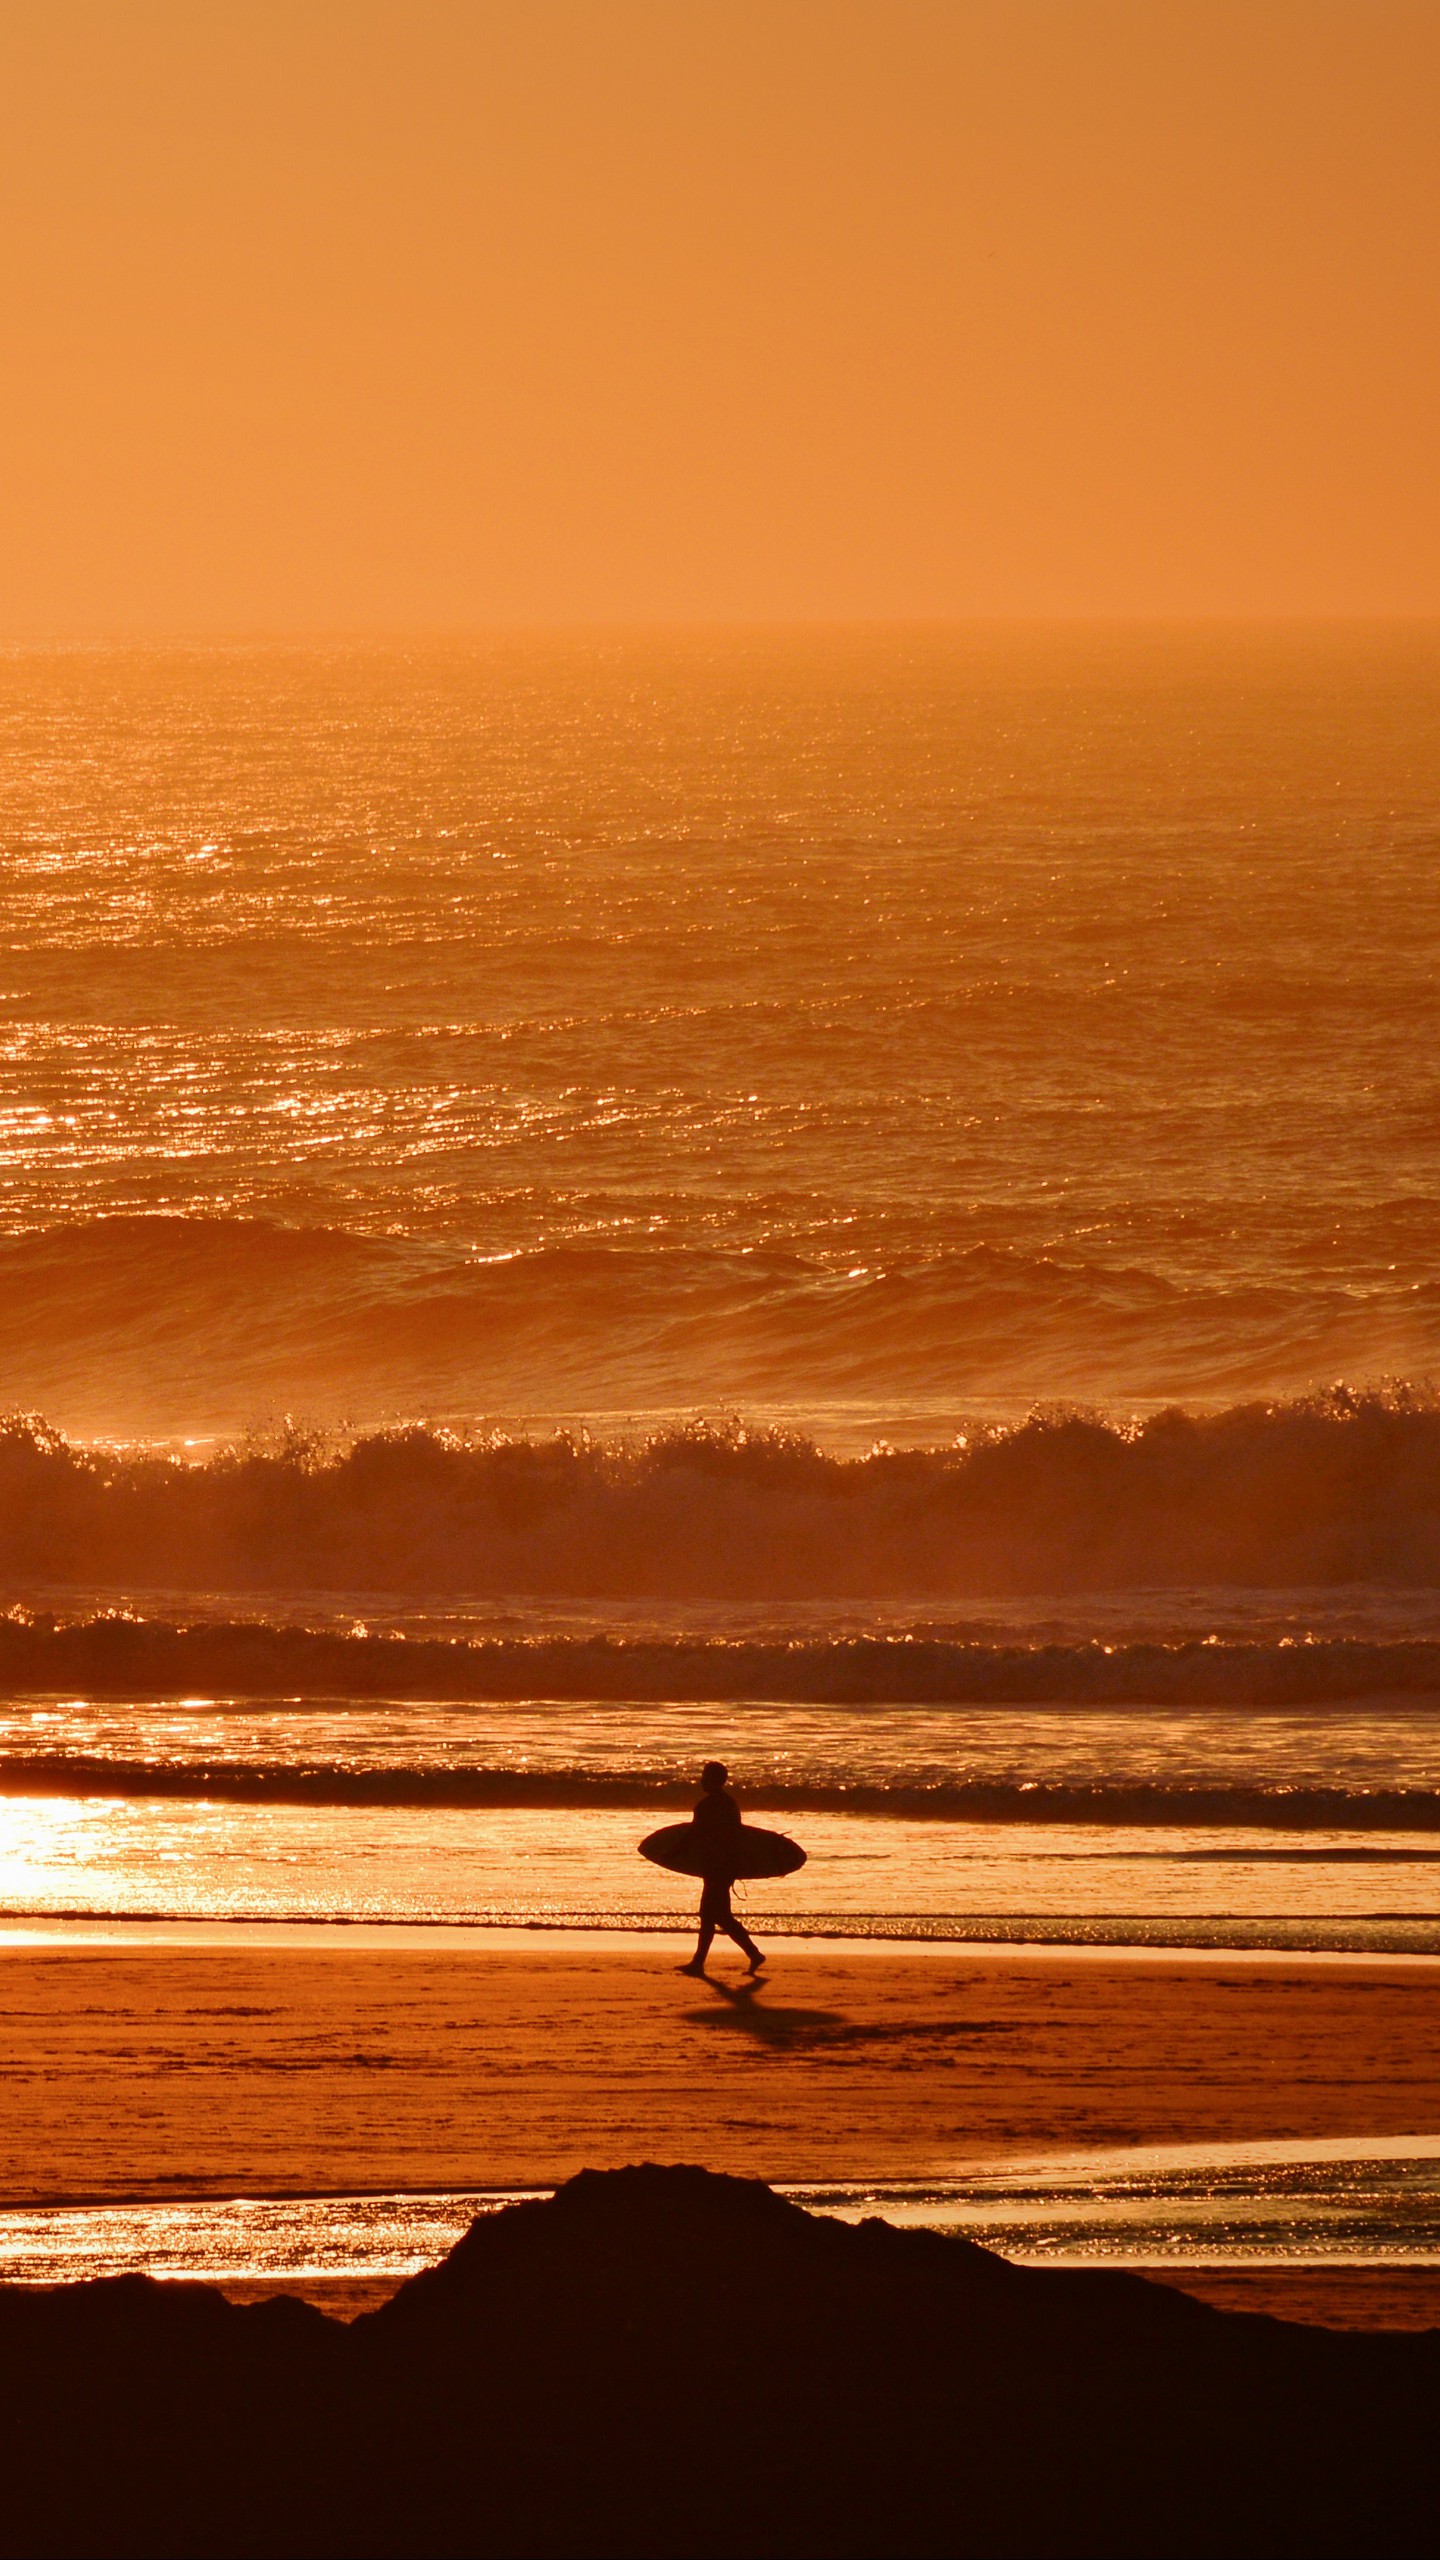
[(660, 2361)]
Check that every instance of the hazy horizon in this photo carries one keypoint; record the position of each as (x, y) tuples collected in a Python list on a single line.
[(679, 626)]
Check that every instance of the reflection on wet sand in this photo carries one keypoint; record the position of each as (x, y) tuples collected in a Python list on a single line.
[(1359, 2222)]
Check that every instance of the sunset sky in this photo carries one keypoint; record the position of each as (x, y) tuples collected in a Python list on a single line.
[(370, 316)]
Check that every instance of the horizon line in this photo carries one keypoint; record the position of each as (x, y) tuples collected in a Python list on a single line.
[(475, 633)]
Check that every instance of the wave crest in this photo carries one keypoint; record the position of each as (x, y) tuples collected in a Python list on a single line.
[(1340, 1487)]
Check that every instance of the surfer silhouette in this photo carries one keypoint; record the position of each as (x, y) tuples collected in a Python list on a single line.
[(717, 1822)]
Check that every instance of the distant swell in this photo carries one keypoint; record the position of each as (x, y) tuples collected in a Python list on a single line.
[(1342, 1487), (186, 1324), (1301, 1809)]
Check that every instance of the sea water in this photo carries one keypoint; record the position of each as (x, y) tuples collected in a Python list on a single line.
[(940, 1123), (942, 1127), (873, 1030)]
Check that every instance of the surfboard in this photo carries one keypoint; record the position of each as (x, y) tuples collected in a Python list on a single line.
[(755, 1853)]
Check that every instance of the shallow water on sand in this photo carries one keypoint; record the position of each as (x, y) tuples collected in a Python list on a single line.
[(814, 1755), (540, 1867), (1330, 2207), (1240, 1826)]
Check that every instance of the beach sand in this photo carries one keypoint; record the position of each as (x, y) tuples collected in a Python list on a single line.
[(171, 2070)]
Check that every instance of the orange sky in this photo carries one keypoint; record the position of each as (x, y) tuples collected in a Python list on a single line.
[(367, 316)]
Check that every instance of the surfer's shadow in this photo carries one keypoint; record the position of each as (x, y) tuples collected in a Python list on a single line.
[(826, 2030), (779, 2027)]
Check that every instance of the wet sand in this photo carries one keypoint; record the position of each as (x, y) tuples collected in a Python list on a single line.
[(1323, 2297), (168, 2070)]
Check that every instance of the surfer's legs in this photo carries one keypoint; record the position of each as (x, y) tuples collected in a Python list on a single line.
[(716, 1913), (743, 1940), (714, 1903)]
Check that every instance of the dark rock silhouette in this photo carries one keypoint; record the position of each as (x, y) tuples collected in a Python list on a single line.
[(663, 2362)]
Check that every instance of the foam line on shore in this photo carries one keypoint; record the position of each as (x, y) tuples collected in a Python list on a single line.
[(1387, 1941), (140, 1935)]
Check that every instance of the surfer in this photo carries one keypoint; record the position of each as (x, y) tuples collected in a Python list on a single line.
[(717, 1821)]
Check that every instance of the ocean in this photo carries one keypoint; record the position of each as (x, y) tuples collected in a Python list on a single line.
[(862, 1200)]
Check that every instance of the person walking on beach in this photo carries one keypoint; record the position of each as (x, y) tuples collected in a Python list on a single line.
[(717, 1820)]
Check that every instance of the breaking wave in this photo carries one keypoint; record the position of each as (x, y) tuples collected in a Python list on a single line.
[(1336, 1488)]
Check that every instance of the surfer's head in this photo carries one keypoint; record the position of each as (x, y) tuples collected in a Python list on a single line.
[(714, 1776)]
